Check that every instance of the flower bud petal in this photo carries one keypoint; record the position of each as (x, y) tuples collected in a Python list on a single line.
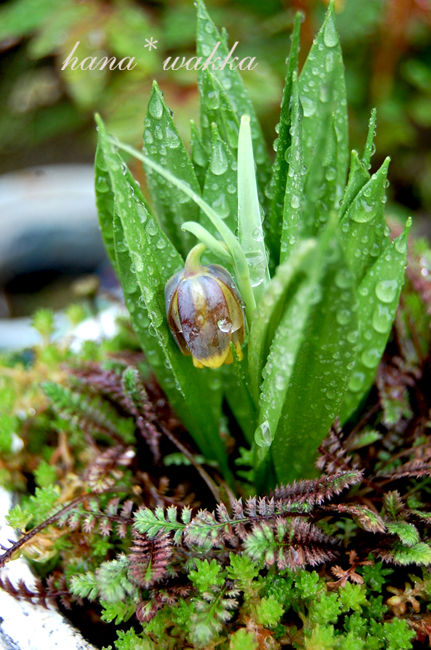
[(205, 315)]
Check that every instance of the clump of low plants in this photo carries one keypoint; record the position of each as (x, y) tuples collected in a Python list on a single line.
[(249, 465)]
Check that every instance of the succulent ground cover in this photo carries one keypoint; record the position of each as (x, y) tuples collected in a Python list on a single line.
[(274, 500)]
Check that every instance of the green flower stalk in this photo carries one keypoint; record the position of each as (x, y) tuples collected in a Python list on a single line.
[(204, 312)]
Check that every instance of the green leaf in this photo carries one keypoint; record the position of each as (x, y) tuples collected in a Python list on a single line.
[(208, 38), (216, 108), (295, 220), (282, 143), (250, 231), (220, 182), (198, 153), (407, 533), (163, 144), (378, 295), (23, 16), (358, 176), (270, 309), (309, 362), (419, 553), (323, 95), (140, 247), (363, 227)]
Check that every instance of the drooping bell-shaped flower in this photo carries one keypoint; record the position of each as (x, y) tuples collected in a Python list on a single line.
[(204, 312)]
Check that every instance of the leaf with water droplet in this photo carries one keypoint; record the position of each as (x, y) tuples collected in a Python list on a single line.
[(220, 174), (208, 37), (378, 297), (294, 224), (323, 97), (358, 177), (277, 186), (170, 204), (365, 218), (199, 154), (310, 352)]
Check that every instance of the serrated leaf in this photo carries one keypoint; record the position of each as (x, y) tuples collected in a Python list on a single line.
[(407, 533), (143, 240), (309, 362), (208, 38), (323, 94), (282, 143), (363, 227), (164, 146), (378, 297), (220, 182), (420, 554)]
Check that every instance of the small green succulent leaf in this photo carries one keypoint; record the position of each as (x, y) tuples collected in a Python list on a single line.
[(209, 40), (310, 361), (294, 216), (199, 154), (323, 94), (378, 296), (220, 181), (363, 227), (138, 234), (270, 308), (163, 144), (281, 146), (250, 230)]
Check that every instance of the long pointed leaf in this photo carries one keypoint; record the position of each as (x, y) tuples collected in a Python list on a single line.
[(378, 297), (163, 144)]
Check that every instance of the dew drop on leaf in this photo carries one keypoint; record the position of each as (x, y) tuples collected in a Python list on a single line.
[(330, 37), (263, 437), (155, 106), (386, 290), (381, 319), (370, 358)]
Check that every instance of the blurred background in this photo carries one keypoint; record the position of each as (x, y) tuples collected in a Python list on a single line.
[(48, 228)]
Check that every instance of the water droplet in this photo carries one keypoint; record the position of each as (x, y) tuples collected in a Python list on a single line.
[(401, 244), (343, 316), (370, 358), (386, 290), (343, 279), (155, 106), (219, 162), (382, 319), (295, 201), (356, 381), (308, 106), (172, 139), (224, 325), (262, 436), (330, 37)]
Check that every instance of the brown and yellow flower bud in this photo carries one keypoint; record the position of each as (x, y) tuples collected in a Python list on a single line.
[(204, 312)]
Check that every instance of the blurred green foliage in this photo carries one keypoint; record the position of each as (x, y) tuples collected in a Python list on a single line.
[(47, 115)]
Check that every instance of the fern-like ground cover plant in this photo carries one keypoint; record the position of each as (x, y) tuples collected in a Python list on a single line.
[(190, 506)]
